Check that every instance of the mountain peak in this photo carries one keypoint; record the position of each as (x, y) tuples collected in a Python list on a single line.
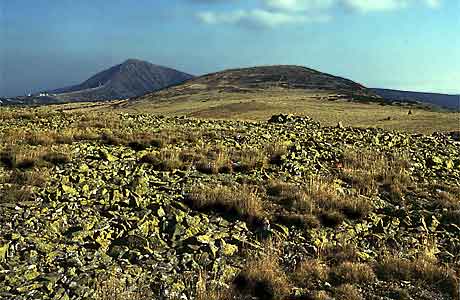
[(131, 78), (134, 61)]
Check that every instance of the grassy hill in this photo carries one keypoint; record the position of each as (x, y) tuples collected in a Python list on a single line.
[(110, 205), (256, 79)]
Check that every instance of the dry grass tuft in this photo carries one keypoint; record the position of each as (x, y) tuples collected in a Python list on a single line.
[(290, 195), (56, 158), (45, 138), (28, 178), (249, 159), (332, 218), (447, 200), (340, 254), (214, 162), (275, 153), (165, 160), (319, 295), (310, 270), (263, 277), (205, 291), (240, 200), (306, 221), (114, 288), (15, 194), (366, 171), (351, 272), (420, 270), (347, 292)]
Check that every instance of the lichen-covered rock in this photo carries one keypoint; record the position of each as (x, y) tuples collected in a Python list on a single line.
[(105, 210), (304, 121)]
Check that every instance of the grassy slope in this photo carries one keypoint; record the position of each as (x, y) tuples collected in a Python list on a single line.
[(262, 105)]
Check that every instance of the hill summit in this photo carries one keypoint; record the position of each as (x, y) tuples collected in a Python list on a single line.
[(256, 79), (129, 79)]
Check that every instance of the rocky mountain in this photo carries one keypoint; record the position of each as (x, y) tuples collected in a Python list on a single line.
[(442, 100), (130, 79)]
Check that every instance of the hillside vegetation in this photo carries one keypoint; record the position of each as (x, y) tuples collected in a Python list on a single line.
[(262, 105), (110, 205), (255, 79)]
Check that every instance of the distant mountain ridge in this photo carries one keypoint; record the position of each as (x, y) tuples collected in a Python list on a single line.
[(442, 100), (131, 78)]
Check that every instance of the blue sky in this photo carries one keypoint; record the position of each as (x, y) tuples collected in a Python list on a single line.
[(401, 44)]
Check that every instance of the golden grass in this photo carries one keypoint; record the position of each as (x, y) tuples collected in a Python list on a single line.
[(352, 272), (263, 104), (366, 171), (422, 270), (305, 221), (447, 200), (240, 200), (310, 270), (319, 295), (114, 288), (347, 292), (249, 159), (36, 178), (258, 106), (206, 291), (30, 157), (164, 160), (290, 195), (318, 197), (275, 152), (263, 277), (15, 194), (214, 161)]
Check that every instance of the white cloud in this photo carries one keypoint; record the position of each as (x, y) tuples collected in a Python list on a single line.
[(366, 6), (375, 5), (259, 18), (275, 13), (299, 5)]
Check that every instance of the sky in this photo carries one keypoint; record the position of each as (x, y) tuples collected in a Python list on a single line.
[(399, 44)]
